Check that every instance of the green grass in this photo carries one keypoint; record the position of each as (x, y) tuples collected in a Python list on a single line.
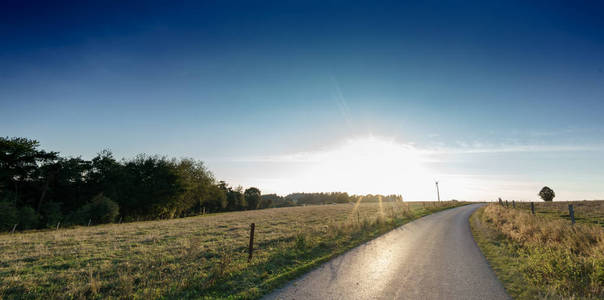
[(196, 257), (542, 256)]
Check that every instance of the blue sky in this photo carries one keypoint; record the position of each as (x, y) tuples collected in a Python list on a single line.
[(495, 99)]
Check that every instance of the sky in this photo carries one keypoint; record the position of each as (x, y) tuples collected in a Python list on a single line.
[(491, 98)]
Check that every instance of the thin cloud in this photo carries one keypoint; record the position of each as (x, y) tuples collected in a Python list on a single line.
[(513, 149), (474, 148)]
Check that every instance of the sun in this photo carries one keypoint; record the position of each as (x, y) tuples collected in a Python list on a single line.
[(370, 165)]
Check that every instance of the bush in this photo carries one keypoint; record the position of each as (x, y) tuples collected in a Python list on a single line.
[(8, 215), (28, 218), (100, 210), (51, 212), (104, 210)]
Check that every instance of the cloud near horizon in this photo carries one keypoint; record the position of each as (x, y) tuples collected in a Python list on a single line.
[(382, 165)]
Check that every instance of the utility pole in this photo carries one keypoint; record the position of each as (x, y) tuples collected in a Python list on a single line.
[(437, 190)]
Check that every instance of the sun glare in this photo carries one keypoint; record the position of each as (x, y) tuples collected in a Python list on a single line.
[(370, 165)]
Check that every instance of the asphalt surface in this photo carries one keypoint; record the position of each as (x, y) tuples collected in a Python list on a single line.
[(434, 257)]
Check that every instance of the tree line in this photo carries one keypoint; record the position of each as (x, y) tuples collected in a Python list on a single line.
[(325, 198), (39, 189)]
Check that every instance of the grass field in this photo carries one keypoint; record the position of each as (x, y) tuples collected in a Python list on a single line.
[(587, 212), (543, 255), (202, 256)]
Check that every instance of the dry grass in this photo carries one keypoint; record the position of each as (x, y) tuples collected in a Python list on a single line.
[(558, 258), (202, 256), (588, 212)]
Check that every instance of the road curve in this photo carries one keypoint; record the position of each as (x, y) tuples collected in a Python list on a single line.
[(434, 257)]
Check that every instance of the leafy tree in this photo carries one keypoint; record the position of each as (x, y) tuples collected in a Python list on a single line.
[(252, 197), (19, 159), (236, 199), (196, 182), (106, 175), (547, 194), (150, 187), (69, 183), (217, 199), (276, 201)]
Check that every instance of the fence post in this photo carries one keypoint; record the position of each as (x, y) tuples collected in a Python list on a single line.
[(571, 211), (14, 227), (533, 208), (251, 248)]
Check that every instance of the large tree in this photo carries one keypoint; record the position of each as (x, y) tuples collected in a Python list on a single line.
[(196, 182), (252, 197), (19, 161), (547, 194), (150, 187)]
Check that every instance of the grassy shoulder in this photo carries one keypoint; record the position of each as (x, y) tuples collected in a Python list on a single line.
[(541, 257), (197, 257)]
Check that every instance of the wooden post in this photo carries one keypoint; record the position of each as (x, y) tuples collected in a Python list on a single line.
[(251, 248), (14, 227), (571, 211), (533, 208)]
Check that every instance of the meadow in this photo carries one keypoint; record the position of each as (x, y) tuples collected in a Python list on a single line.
[(586, 212), (544, 255), (197, 257)]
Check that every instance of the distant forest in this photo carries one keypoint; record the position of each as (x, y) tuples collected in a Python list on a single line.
[(40, 189)]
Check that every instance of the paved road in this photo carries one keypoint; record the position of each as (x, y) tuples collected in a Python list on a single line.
[(434, 257)]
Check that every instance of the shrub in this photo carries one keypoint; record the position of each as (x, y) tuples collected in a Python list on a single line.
[(51, 213), (8, 215), (103, 209), (28, 218), (100, 210)]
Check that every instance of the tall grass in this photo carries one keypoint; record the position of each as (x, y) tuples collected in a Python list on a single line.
[(194, 257), (558, 258), (589, 212)]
